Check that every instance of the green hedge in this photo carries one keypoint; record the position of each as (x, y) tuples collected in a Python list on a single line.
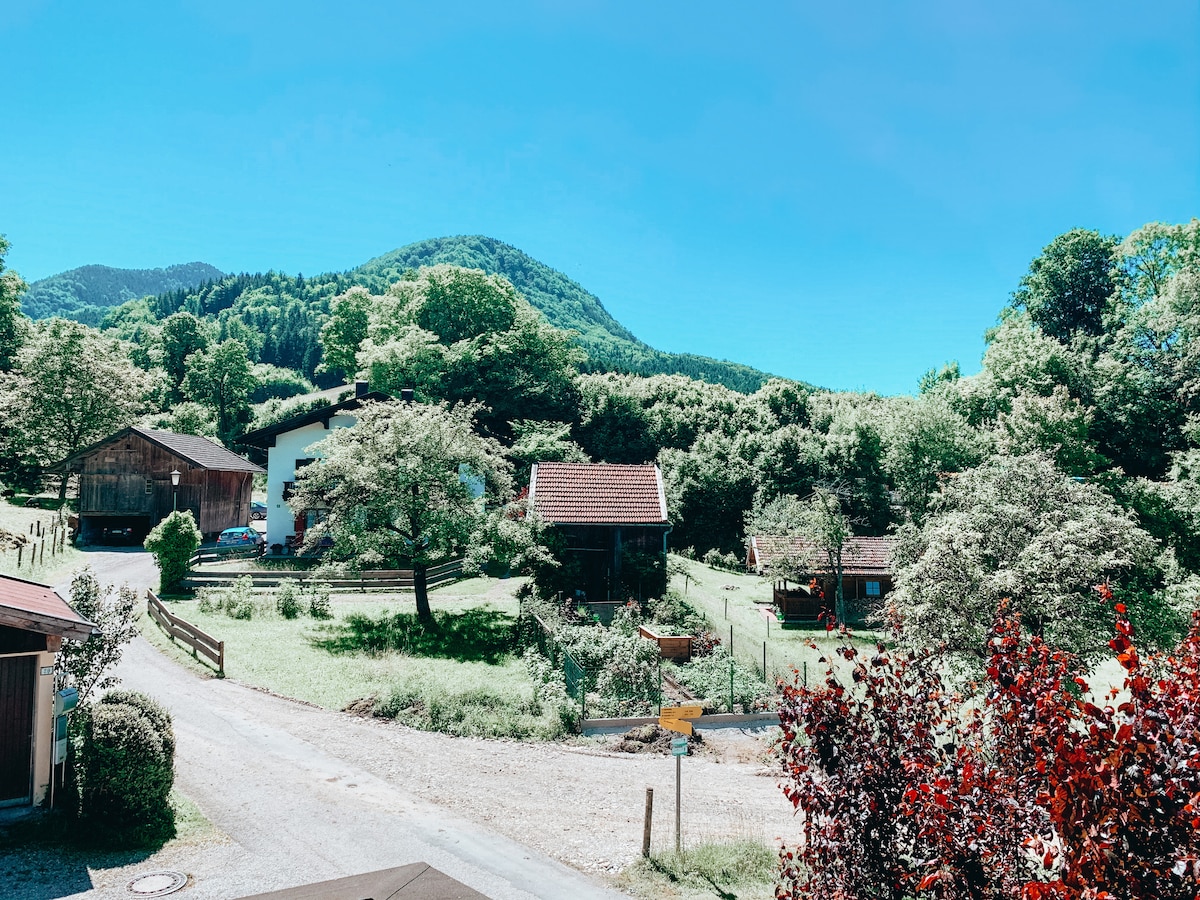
[(125, 767)]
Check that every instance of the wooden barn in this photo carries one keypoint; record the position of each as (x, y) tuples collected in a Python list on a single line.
[(607, 515), (866, 575), (34, 621), (127, 484)]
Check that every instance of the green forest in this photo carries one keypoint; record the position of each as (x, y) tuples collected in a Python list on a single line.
[(1071, 458)]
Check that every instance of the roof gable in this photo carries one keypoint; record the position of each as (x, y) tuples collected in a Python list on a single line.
[(265, 437), (198, 452), (598, 494), (38, 607), (860, 555)]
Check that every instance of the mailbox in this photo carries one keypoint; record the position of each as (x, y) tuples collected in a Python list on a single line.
[(65, 700)]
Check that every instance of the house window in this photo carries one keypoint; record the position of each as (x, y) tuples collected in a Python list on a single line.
[(149, 486), (872, 588)]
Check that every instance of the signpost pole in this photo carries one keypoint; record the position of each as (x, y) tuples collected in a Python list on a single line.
[(678, 839)]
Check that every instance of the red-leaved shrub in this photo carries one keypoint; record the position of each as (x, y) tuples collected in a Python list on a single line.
[(1024, 789)]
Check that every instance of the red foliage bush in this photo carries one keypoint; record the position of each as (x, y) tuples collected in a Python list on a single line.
[(1024, 789)]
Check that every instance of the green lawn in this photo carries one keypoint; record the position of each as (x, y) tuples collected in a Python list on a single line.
[(48, 567), (463, 679), (740, 608)]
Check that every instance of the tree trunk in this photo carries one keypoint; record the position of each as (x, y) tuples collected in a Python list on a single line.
[(840, 606), (421, 589), (62, 488)]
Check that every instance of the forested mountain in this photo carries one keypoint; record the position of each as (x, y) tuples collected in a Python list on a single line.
[(87, 293), (565, 304), (287, 311)]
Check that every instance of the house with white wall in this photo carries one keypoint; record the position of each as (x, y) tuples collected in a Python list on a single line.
[(286, 444)]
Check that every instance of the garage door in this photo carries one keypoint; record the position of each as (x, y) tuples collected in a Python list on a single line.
[(17, 677)]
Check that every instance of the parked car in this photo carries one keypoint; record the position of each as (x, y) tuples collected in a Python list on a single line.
[(111, 536), (258, 510), (244, 536)]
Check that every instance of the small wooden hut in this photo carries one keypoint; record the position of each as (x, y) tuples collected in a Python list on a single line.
[(866, 575), (125, 482)]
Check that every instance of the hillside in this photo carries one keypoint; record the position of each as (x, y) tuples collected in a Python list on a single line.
[(288, 310), (564, 303), (87, 293)]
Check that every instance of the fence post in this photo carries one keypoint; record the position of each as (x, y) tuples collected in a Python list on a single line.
[(646, 826)]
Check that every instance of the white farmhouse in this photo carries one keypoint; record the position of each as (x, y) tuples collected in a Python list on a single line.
[(287, 443)]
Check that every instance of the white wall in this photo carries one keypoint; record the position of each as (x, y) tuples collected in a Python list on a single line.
[(281, 466)]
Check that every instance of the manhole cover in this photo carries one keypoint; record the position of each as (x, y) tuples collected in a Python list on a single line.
[(157, 884)]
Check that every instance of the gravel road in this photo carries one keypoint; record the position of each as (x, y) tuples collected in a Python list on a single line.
[(302, 794)]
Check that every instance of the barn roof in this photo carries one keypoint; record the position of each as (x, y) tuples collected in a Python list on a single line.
[(863, 556), (598, 494), (38, 607), (198, 452)]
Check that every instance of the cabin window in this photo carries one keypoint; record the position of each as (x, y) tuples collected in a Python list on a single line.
[(149, 486), (872, 588)]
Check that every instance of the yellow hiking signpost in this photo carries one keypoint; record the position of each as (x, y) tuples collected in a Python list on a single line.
[(674, 718)]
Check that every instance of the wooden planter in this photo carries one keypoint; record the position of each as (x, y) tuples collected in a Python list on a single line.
[(669, 646)]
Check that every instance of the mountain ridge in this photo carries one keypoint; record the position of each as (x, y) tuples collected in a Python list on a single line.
[(87, 293), (288, 310)]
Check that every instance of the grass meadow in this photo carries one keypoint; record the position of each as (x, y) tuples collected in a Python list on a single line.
[(464, 677)]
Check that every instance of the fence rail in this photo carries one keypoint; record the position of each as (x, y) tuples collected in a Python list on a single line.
[(220, 554), (184, 631), (366, 580)]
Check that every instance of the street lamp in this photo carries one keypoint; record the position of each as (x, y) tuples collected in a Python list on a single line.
[(175, 473)]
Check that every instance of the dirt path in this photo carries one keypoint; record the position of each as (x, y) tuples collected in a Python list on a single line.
[(305, 794)]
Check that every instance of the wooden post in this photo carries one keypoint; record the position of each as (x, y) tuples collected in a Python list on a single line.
[(42, 555), (646, 826), (20, 551), (765, 661)]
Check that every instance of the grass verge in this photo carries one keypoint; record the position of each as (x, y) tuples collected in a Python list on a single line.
[(739, 870), (37, 564), (462, 678)]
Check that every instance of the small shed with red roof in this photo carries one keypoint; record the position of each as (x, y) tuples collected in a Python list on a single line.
[(866, 574), (612, 525), (34, 621)]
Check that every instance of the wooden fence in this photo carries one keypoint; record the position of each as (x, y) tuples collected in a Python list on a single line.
[(178, 629), (366, 580), (220, 554)]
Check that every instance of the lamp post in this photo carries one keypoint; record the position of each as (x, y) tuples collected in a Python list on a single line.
[(175, 473)]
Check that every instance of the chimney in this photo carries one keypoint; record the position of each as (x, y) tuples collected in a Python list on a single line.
[(361, 388), (406, 394)]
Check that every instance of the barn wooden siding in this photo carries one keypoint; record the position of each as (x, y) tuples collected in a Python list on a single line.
[(132, 477)]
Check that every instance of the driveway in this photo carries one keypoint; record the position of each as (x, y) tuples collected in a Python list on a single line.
[(303, 794)]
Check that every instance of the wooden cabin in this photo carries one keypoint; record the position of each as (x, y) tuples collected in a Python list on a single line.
[(125, 482), (603, 512), (810, 588), (34, 621)]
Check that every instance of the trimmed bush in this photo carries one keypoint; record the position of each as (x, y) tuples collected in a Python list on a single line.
[(173, 541), (125, 769)]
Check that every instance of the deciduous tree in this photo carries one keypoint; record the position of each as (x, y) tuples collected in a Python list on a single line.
[(396, 487)]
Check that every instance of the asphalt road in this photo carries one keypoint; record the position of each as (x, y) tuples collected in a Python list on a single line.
[(293, 808)]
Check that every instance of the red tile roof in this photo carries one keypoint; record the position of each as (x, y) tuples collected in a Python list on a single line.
[(37, 607), (598, 494), (860, 555)]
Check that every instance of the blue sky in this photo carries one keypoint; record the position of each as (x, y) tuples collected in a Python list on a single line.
[(845, 196)]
